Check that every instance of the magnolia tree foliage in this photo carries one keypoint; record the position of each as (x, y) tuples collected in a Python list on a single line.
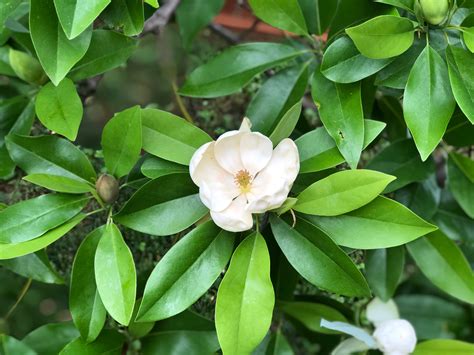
[(261, 211)]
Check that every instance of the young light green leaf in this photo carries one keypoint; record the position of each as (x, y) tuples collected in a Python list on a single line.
[(453, 273), (26, 67), (115, 275), (318, 259), (154, 167), (428, 101), (56, 53), (59, 183), (59, 108), (223, 75), (384, 36), (122, 141), (153, 3), (342, 192), (443, 347), (87, 309), (186, 272), (340, 109), (383, 223), (245, 298), (460, 181)]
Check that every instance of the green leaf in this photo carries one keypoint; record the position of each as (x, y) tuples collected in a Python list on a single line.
[(164, 206), (404, 4), (318, 259), (186, 272), (8, 251), (26, 67), (6, 9), (443, 346), (325, 155), (50, 338), (384, 269), (287, 124), (342, 192), (30, 219), (153, 3), (193, 16), (59, 183), (340, 110), (122, 141), (468, 37), (283, 14), (274, 344), (383, 223), (107, 50), (127, 15), (245, 298), (461, 76), (310, 314), (5, 66), (464, 163), (115, 274), (277, 96), (50, 155), (318, 14), (401, 159), (59, 108), (342, 56), (170, 137), (460, 175), (75, 17), (56, 53), (85, 305), (384, 36), (10, 345), (35, 266), (452, 273), (428, 101), (109, 342), (224, 75), (154, 167)]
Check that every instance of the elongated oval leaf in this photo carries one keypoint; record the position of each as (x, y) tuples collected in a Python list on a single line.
[(444, 346), (59, 183), (186, 272), (127, 15), (154, 167), (115, 275), (342, 192), (383, 223), (318, 259), (164, 206), (245, 298), (287, 124)]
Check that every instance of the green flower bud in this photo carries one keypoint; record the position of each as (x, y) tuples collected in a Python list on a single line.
[(435, 12), (108, 188)]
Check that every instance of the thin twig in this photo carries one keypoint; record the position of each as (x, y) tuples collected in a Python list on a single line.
[(160, 18), (180, 103), (225, 33), (22, 294)]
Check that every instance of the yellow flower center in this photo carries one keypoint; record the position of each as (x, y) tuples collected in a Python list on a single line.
[(243, 179)]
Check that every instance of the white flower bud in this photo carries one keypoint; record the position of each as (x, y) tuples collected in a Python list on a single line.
[(395, 337)]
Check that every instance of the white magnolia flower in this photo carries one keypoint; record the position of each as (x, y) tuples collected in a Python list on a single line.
[(395, 337), (240, 174)]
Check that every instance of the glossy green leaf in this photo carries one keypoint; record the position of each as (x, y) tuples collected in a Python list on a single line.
[(383, 223), (310, 314), (461, 76), (384, 36), (444, 346), (186, 272), (164, 206), (76, 16), (460, 175), (468, 37), (340, 110), (107, 50), (384, 268), (245, 298), (453, 273), (318, 14), (325, 155), (318, 259), (428, 101), (10, 345), (422, 198), (154, 167), (109, 342), (235, 67), (85, 305), (122, 141), (404, 4), (59, 108), (6, 9), (8, 251), (50, 155), (276, 97), (127, 15), (115, 274), (56, 53), (59, 183), (170, 137), (342, 56), (50, 338), (26, 67), (193, 16), (32, 218), (35, 266), (283, 14), (287, 124), (342, 192), (401, 159), (153, 3)]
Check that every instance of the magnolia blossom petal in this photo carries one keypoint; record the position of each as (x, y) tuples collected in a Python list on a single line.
[(234, 218), (227, 151), (217, 196), (379, 311), (246, 125), (255, 151), (272, 185), (395, 337)]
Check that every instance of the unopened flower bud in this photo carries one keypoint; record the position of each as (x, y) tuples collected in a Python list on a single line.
[(107, 187), (435, 12), (395, 337)]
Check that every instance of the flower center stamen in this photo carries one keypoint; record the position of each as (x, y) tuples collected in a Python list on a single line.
[(243, 179)]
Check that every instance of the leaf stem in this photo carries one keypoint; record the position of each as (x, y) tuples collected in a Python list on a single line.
[(22, 294), (180, 103)]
